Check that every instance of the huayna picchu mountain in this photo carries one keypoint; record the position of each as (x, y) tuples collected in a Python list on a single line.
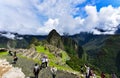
[(65, 43), (55, 39)]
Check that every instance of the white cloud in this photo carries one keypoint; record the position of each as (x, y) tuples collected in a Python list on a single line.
[(48, 26), (18, 16), (38, 17), (9, 35), (107, 18), (30, 16), (92, 19)]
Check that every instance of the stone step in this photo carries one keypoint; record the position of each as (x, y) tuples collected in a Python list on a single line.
[(36, 56), (33, 55), (30, 54), (26, 53)]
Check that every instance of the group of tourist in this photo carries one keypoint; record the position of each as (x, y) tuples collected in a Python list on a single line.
[(37, 68), (44, 64), (15, 58), (89, 73)]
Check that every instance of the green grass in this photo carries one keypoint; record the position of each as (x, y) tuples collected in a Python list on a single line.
[(40, 49), (53, 59), (2, 54)]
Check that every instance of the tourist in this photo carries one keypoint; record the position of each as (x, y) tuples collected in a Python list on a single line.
[(36, 70)]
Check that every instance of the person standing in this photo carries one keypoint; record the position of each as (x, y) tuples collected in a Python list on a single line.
[(43, 62), (36, 70), (54, 71), (46, 61), (10, 53), (102, 75), (114, 75), (82, 71), (87, 71)]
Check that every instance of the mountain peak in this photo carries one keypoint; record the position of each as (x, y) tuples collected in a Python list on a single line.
[(54, 38), (54, 32)]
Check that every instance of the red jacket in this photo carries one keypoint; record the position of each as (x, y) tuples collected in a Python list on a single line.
[(102, 75)]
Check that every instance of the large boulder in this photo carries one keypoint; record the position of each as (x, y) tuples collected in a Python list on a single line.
[(7, 71)]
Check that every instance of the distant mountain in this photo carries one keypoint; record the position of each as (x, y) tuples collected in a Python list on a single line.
[(107, 54), (84, 37), (17, 40), (118, 30), (103, 50)]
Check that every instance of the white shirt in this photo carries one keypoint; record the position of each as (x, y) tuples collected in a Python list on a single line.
[(46, 60), (43, 60)]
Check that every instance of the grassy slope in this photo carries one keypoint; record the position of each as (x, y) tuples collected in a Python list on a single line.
[(53, 59), (27, 63)]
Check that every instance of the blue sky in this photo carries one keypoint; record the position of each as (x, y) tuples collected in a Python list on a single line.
[(99, 4), (105, 3), (39, 17)]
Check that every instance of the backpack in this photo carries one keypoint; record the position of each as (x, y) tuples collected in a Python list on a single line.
[(16, 58), (36, 69)]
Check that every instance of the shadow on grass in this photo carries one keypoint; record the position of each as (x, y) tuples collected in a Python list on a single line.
[(32, 77)]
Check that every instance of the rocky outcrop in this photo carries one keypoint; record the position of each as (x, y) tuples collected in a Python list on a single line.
[(7, 71)]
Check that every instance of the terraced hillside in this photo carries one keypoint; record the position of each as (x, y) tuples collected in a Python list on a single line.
[(27, 59)]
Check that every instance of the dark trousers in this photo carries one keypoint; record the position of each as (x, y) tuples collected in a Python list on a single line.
[(36, 75), (87, 76), (45, 64), (53, 75)]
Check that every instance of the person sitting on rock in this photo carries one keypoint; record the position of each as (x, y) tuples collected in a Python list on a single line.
[(15, 58), (54, 71), (10, 53), (36, 70), (82, 69)]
